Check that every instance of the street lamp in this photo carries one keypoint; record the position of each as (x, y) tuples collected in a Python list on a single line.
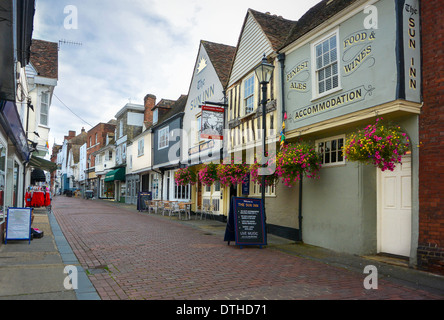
[(264, 73)]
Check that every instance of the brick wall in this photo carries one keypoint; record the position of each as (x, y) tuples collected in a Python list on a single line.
[(431, 134), (102, 129)]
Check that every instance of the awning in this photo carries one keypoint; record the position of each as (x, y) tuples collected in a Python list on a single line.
[(43, 164), (118, 174), (37, 176)]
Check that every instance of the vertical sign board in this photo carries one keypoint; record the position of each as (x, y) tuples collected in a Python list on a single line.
[(249, 222), (212, 121), (143, 196), (412, 50), (18, 226)]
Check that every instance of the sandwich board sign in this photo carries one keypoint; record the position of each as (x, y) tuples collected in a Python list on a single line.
[(18, 225), (246, 222)]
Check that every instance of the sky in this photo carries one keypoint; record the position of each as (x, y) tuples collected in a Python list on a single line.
[(118, 51)]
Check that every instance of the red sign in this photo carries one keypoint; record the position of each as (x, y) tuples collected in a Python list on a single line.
[(212, 122)]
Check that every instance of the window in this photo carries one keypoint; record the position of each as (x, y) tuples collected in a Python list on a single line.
[(256, 189), (199, 130), (118, 155), (249, 95), (163, 138), (331, 150), (44, 109), (2, 180), (97, 139), (109, 155), (120, 128), (182, 192), (326, 64), (140, 147), (155, 116), (155, 186)]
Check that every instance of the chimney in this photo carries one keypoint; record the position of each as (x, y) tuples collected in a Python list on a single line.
[(150, 103), (83, 129)]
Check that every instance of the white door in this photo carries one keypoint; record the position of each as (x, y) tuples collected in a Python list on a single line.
[(395, 209)]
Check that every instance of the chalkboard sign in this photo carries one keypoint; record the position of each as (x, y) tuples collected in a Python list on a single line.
[(142, 197), (18, 226), (249, 222)]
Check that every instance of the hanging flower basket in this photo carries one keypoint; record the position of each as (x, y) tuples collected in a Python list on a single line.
[(232, 174), (208, 174), (271, 177), (185, 176), (296, 160), (382, 145)]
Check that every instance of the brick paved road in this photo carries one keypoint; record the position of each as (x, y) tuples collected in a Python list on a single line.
[(133, 255)]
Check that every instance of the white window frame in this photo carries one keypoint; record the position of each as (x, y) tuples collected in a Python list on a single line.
[(46, 105), (199, 129), (255, 189), (247, 96), (315, 77), (163, 138), (140, 147), (330, 139)]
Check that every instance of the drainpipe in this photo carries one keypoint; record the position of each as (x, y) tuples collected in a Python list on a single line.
[(300, 209), (281, 59)]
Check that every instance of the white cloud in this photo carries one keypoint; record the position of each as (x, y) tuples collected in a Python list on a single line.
[(135, 47)]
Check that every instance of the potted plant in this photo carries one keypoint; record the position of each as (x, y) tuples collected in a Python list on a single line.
[(185, 176), (296, 160), (380, 144), (232, 174), (208, 174), (271, 177)]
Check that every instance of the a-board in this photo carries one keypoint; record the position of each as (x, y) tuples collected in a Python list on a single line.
[(18, 225), (246, 222), (141, 198)]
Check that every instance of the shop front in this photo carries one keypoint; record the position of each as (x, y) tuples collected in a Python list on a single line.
[(114, 185)]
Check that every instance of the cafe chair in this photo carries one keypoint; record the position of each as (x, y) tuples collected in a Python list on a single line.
[(167, 208), (183, 208), (207, 210)]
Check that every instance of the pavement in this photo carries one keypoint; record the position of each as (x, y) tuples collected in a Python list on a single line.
[(35, 271)]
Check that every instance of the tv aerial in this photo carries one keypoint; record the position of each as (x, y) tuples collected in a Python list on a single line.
[(68, 42)]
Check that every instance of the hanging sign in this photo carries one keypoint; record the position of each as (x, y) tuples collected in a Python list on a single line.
[(212, 121), (18, 226)]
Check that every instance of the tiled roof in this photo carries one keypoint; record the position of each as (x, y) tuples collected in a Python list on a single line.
[(221, 57), (45, 58), (177, 107), (314, 17), (276, 28)]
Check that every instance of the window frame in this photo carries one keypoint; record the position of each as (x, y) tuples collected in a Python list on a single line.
[(166, 142), (155, 116), (247, 95), (140, 147), (46, 104), (330, 139), (316, 70)]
